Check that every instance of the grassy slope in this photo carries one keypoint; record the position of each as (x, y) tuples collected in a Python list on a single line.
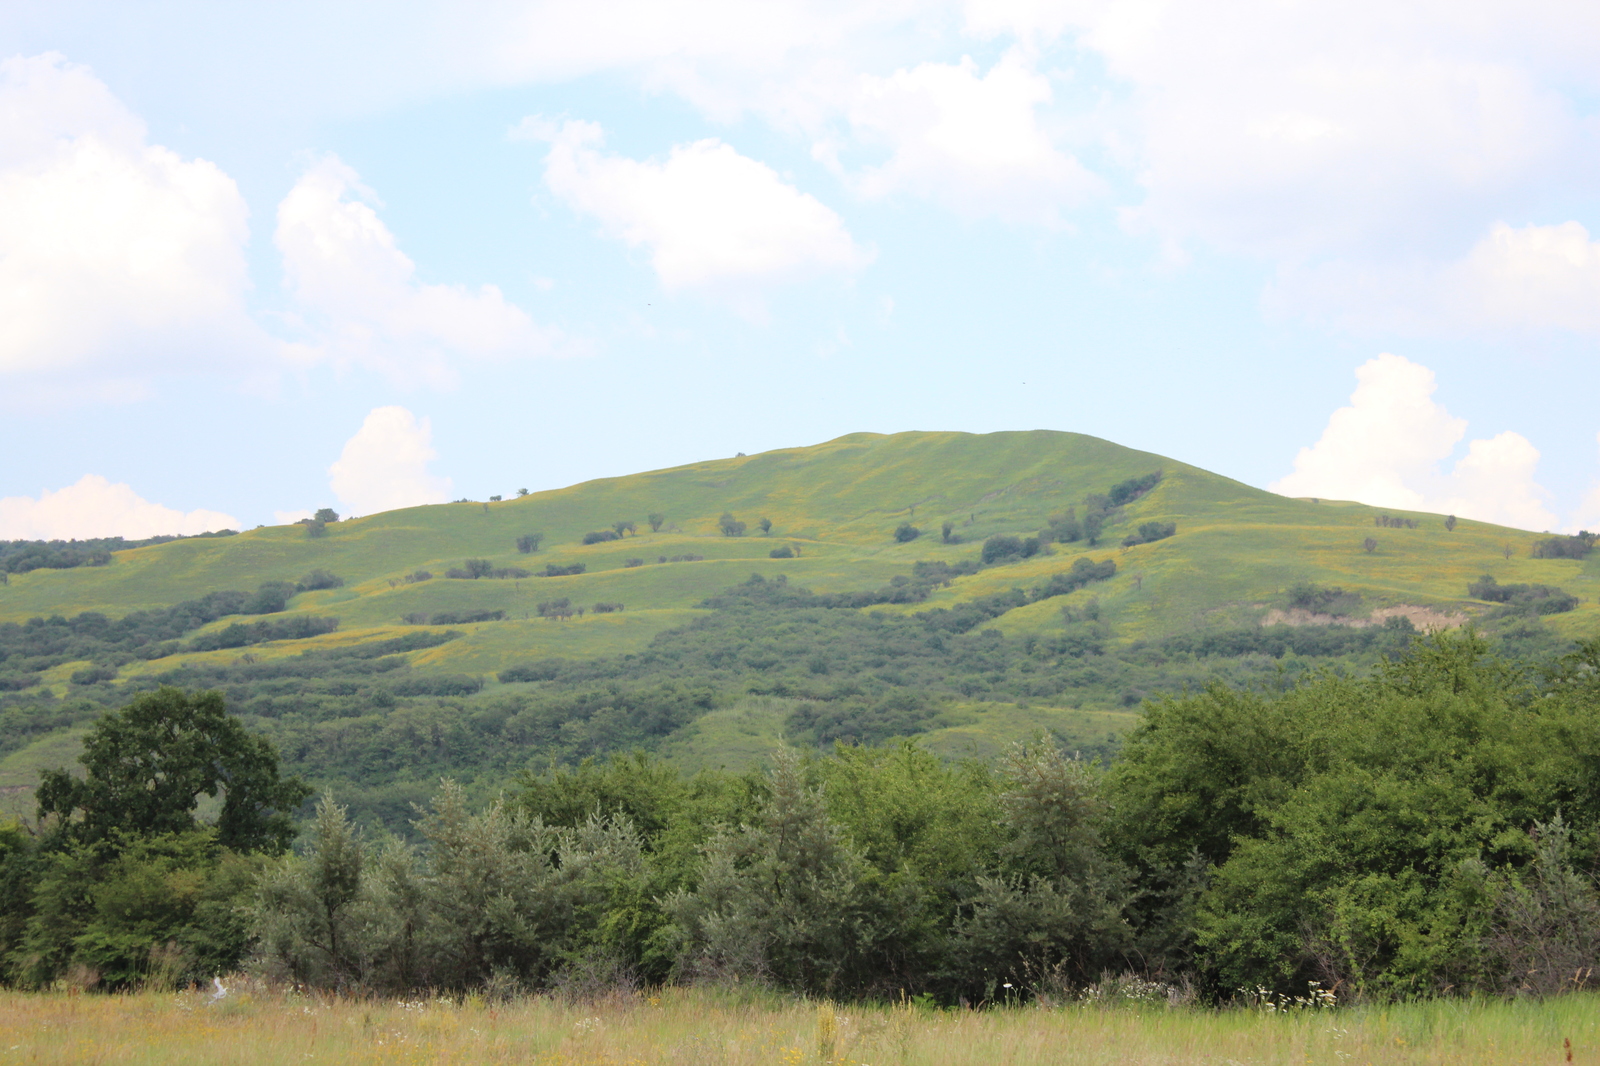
[(1237, 548), (838, 503)]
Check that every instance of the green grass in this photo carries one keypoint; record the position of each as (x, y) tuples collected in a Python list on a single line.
[(745, 1027), (1237, 549)]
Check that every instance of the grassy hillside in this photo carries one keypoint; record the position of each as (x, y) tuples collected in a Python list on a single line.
[(837, 505)]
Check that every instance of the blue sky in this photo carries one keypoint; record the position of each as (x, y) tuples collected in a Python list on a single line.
[(259, 259)]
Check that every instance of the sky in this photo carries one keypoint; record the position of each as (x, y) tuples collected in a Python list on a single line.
[(259, 259)]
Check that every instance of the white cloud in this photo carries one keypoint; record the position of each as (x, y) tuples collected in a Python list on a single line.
[(1515, 279), (1385, 449), (712, 219), (1289, 130), (117, 257), (968, 141), (362, 300), (95, 507), (385, 465), (285, 518)]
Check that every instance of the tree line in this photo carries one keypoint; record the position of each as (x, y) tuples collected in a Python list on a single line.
[(1429, 828)]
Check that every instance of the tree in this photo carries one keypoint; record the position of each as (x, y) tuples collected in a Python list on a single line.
[(1450, 523), (656, 520), (522, 492), (905, 532), (730, 526), (623, 527), (325, 514), (766, 525), (477, 568), (1369, 545), (315, 529), (529, 542), (149, 763), (947, 531)]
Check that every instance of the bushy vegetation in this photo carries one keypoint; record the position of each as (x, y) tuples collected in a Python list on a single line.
[(22, 556), (1577, 546), (1425, 829), (1522, 598)]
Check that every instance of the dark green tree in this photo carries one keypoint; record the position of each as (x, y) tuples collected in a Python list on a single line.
[(656, 520), (148, 764), (730, 526), (325, 514), (529, 542), (766, 525)]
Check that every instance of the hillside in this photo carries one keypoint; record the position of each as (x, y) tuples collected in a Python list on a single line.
[(1235, 554)]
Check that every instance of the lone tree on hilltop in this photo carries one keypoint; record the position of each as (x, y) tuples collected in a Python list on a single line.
[(1450, 523), (730, 526), (325, 514), (149, 763)]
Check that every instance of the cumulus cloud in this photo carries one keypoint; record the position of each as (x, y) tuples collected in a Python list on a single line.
[(1289, 130), (1387, 447), (116, 256), (360, 296), (96, 507), (970, 142), (1515, 279), (711, 219), (385, 465)]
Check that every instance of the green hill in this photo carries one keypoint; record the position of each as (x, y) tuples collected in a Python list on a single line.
[(1235, 555)]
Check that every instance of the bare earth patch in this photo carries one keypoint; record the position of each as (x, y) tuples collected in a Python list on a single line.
[(1426, 619)]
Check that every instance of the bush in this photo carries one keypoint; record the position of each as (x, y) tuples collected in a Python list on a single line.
[(607, 608), (320, 579), (1522, 599), (601, 536), (1150, 532), (1574, 547), (270, 598), (633, 562), (564, 571), (784, 552), (561, 608), (1001, 547), (529, 543), (94, 675), (1128, 491), (905, 532)]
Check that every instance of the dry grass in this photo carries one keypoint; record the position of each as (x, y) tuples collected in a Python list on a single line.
[(691, 1027)]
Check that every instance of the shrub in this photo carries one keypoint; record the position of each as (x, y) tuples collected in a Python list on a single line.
[(564, 571), (601, 536), (94, 675), (905, 532), (784, 552), (947, 532), (1001, 547), (607, 608), (416, 577), (1522, 599), (1128, 491), (561, 608), (634, 562), (1574, 547), (529, 543), (320, 579), (1149, 532)]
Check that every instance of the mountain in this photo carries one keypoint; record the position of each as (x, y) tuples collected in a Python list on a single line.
[(1236, 557)]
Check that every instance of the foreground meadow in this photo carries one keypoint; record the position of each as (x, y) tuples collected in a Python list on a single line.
[(705, 1027)]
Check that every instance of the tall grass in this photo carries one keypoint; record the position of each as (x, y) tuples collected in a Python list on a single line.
[(689, 1026)]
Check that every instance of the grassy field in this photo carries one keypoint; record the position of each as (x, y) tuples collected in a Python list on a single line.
[(838, 503), (684, 1027)]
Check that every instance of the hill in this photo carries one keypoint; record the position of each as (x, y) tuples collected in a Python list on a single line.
[(409, 684)]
